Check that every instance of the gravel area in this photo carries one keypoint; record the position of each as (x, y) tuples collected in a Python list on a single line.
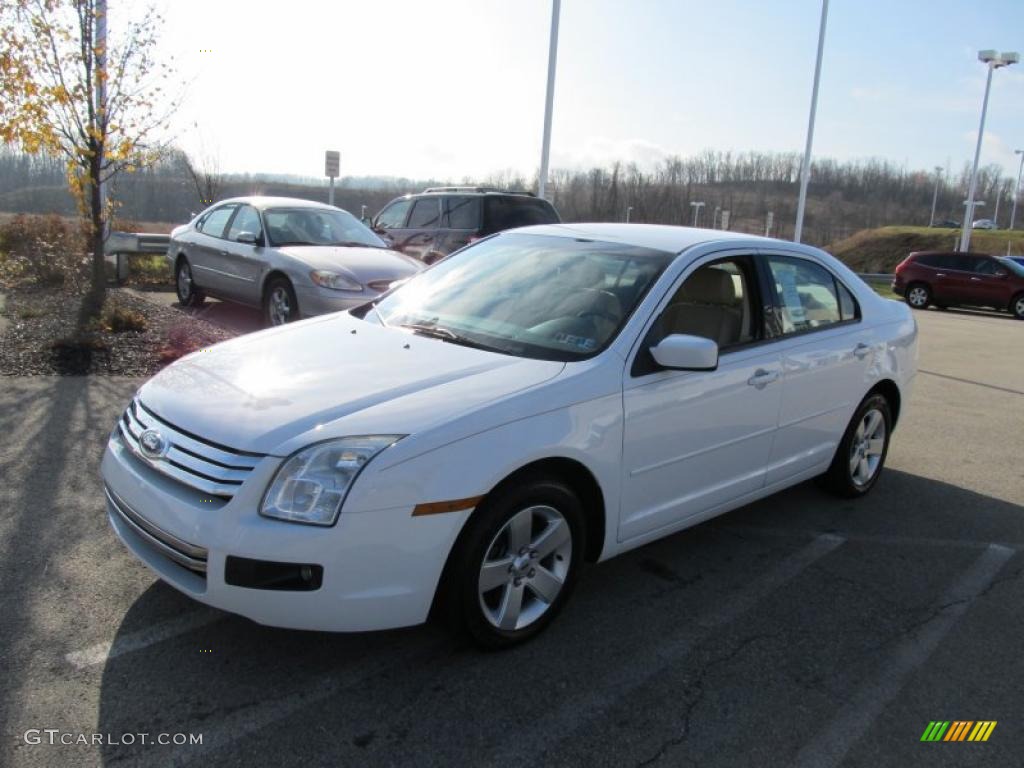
[(44, 335)]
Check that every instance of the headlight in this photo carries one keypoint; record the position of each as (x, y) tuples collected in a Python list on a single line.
[(334, 281), (312, 483)]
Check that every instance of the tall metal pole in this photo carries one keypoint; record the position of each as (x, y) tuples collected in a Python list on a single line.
[(545, 151), (965, 236), (1016, 190), (995, 216), (935, 195), (805, 171), (100, 106), (330, 195)]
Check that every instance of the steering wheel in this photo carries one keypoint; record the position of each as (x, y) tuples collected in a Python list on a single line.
[(604, 314)]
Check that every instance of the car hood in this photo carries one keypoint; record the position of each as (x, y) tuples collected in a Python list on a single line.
[(363, 262), (330, 375)]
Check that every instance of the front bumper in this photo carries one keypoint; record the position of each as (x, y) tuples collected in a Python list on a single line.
[(380, 568), (314, 300)]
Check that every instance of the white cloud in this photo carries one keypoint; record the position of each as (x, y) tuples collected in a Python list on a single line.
[(603, 151)]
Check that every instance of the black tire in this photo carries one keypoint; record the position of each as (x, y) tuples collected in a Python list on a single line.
[(188, 293), (486, 538), (918, 295), (1017, 306), (280, 306), (841, 477)]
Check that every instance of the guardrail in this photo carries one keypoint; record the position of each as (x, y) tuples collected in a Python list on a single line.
[(122, 245), (875, 275)]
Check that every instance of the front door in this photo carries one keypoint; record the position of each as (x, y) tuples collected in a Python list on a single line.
[(243, 262), (695, 441)]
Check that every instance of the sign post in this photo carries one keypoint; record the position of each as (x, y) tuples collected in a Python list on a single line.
[(332, 161)]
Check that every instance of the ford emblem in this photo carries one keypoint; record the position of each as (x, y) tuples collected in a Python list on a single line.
[(152, 444)]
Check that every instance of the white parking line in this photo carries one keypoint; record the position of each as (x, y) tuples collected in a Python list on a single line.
[(642, 667), (831, 744), (135, 641), (771, 532)]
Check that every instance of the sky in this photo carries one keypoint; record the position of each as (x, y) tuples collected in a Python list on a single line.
[(453, 89)]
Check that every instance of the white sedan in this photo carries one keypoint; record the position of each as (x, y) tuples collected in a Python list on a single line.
[(543, 398)]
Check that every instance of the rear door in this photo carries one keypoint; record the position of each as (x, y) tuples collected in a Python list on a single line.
[(207, 255), (826, 352), (462, 222), (955, 279)]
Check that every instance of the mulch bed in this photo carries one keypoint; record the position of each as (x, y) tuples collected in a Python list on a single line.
[(45, 335)]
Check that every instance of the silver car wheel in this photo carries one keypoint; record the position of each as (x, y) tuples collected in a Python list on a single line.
[(867, 448), (280, 306), (184, 282), (1018, 308), (917, 296), (525, 567)]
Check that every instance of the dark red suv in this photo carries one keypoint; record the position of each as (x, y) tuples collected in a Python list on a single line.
[(968, 279)]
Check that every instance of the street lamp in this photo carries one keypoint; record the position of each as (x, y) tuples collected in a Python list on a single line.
[(935, 195), (696, 211), (1016, 190), (805, 170), (549, 99), (629, 210), (714, 219), (993, 61)]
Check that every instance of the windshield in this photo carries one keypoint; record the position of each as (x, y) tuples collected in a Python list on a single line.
[(553, 298), (1015, 267), (317, 226)]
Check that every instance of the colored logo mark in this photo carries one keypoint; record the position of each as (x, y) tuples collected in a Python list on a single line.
[(958, 730)]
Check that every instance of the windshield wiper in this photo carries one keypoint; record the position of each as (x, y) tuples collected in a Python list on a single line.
[(445, 334), (356, 244), (293, 242)]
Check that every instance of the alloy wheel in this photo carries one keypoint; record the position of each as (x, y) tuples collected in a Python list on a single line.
[(280, 306), (525, 567), (1018, 308), (184, 283), (917, 296), (867, 447)]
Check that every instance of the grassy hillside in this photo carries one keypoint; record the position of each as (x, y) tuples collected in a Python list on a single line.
[(880, 250)]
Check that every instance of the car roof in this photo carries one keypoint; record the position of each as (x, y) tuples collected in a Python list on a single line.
[(660, 237), (262, 202), (948, 253)]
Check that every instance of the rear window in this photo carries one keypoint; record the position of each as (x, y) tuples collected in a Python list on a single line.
[(509, 212)]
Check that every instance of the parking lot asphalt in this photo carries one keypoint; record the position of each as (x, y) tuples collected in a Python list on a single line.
[(800, 630)]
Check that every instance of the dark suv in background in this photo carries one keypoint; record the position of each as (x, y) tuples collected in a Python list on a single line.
[(968, 279), (439, 220)]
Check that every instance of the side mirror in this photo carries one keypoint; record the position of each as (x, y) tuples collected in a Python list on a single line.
[(1000, 273), (681, 352), (249, 238)]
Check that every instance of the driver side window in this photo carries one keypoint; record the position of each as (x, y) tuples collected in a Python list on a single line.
[(716, 302)]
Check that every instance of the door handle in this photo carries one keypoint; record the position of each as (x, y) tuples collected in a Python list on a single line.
[(975, 279), (223, 253), (762, 378), (941, 274), (861, 350)]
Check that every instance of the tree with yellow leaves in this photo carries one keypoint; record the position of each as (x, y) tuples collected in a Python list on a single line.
[(100, 107)]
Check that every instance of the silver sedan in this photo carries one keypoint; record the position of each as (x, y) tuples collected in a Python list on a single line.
[(291, 258)]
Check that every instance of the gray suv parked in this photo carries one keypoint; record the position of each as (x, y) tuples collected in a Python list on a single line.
[(439, 220)]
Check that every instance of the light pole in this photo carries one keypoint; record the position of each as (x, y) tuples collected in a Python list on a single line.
[(1016, 190), (696, 211), (935, 194), (629, 210), (545, 150), (999, 198), (993, 61), (805, 170), (714, 219)]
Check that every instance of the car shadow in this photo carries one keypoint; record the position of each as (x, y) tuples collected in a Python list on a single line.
[(330, 695), (227, 314), (976, 312)]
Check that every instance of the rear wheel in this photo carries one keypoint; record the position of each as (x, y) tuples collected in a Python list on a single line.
[(517, 562), (188, 294), (861, 454), (279, 303), (1017, 306), (918, 295)]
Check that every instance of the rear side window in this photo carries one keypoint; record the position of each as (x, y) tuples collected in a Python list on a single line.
[(929, 260), (463, 212), (426, 213), (216, 220), (807, 295), (508, 212)]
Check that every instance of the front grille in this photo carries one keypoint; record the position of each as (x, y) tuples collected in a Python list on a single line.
[(192, 461), (181, 552)]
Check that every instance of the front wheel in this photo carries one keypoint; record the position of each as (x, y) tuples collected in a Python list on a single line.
[(918, 295), (279, 303), (861, 454), (516, 563)]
